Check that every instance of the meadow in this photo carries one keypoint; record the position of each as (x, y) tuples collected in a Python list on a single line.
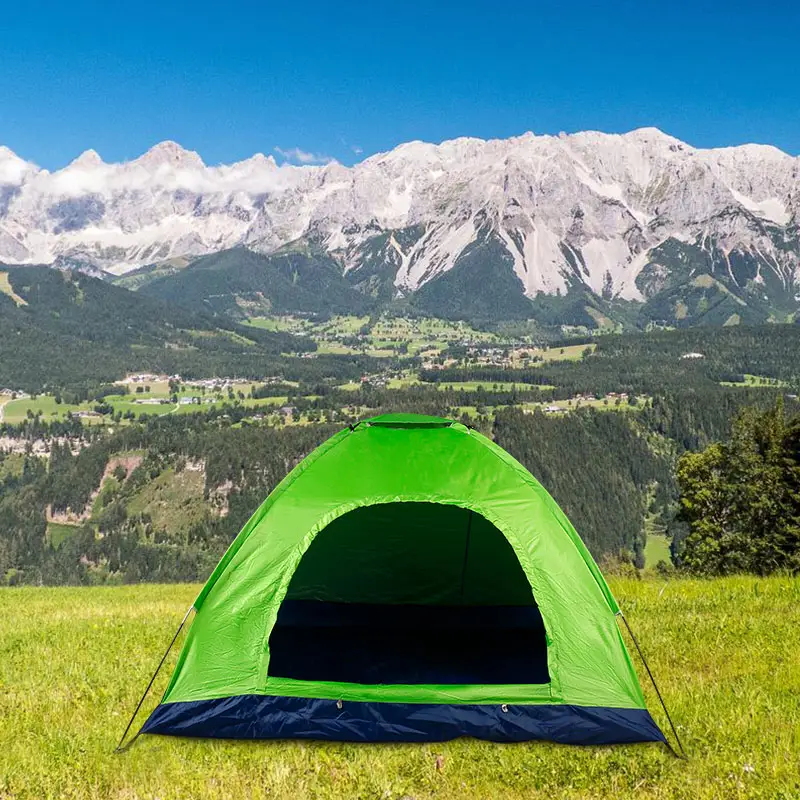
[(402, 336), (156, 401), (726, 652)]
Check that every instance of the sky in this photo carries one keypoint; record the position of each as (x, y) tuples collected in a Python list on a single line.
[(310, 81)]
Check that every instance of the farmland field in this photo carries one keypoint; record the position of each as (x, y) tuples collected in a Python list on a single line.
[(155, 401), (399, 345), (74, 661)]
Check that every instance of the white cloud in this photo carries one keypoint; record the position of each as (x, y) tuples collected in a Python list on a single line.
[(302, 156), (253, 176), (357, 150)]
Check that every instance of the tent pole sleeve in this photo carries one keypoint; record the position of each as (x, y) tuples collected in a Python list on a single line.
[(119, 748), (655, 686)]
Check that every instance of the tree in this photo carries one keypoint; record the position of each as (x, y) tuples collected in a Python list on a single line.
[(741, 499), (120, 473)]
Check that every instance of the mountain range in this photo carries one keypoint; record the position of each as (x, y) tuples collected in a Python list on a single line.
[(588, 229)]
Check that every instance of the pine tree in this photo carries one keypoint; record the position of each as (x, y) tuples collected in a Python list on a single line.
[(741, 498)]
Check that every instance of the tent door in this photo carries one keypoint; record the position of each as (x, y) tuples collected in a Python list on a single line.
[(410, 593)]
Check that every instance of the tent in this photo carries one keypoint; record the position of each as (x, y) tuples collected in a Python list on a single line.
[(408, 581)]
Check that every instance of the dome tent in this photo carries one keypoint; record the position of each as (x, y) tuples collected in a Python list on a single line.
[(408, 581)]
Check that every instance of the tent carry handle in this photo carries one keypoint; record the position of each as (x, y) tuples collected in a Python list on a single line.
[(655, 686), (119, 748)]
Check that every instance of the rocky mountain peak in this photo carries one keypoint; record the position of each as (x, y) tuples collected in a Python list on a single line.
[(87, 159), (589, 209), (171, 154)]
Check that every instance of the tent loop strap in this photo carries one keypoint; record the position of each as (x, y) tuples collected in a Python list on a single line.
[(119, 748), (655, 686)]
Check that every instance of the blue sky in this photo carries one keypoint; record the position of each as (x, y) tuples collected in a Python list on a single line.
[(344, 80)]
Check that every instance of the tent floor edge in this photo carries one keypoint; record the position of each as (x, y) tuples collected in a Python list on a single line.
[(277, 717)]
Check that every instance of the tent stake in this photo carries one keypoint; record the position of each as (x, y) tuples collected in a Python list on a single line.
[(119, 748), (655, 686)]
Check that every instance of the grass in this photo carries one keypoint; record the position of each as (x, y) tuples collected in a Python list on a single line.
[(458, 386), (572, 352), (335, 349), (656, 549), (489, 386), (45, 404), (656, 545), (756, 381), (605, 404), (388, 336), (73, 663), (16, 411), (12, 465), (58, 533)]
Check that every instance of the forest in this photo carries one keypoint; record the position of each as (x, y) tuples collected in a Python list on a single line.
[(697, 359), (741, 498)]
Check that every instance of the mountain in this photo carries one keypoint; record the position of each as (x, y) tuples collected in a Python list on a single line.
[(464, 228)]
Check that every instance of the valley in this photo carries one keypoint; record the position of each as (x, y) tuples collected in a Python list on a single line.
[(599, 420)]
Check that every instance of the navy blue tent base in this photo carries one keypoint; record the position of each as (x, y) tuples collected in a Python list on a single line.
[(269, 717)]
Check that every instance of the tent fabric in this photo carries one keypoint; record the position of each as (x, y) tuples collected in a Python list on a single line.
[(399, 519)]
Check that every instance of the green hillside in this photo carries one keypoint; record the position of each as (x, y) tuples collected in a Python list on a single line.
[(480, 287), (141, 276), (240, 283), (66, 329), (697, 283)]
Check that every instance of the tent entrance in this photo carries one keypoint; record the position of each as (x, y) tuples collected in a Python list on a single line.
[(410, 593)]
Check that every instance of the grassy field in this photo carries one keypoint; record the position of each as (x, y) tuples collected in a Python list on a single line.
[(656, 549), (173, 500), (756, 381), (604, 404), (572, 352), (58, 533), (15, 411), (74, 661)]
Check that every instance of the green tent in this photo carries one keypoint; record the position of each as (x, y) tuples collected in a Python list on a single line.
[(408, 581)]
